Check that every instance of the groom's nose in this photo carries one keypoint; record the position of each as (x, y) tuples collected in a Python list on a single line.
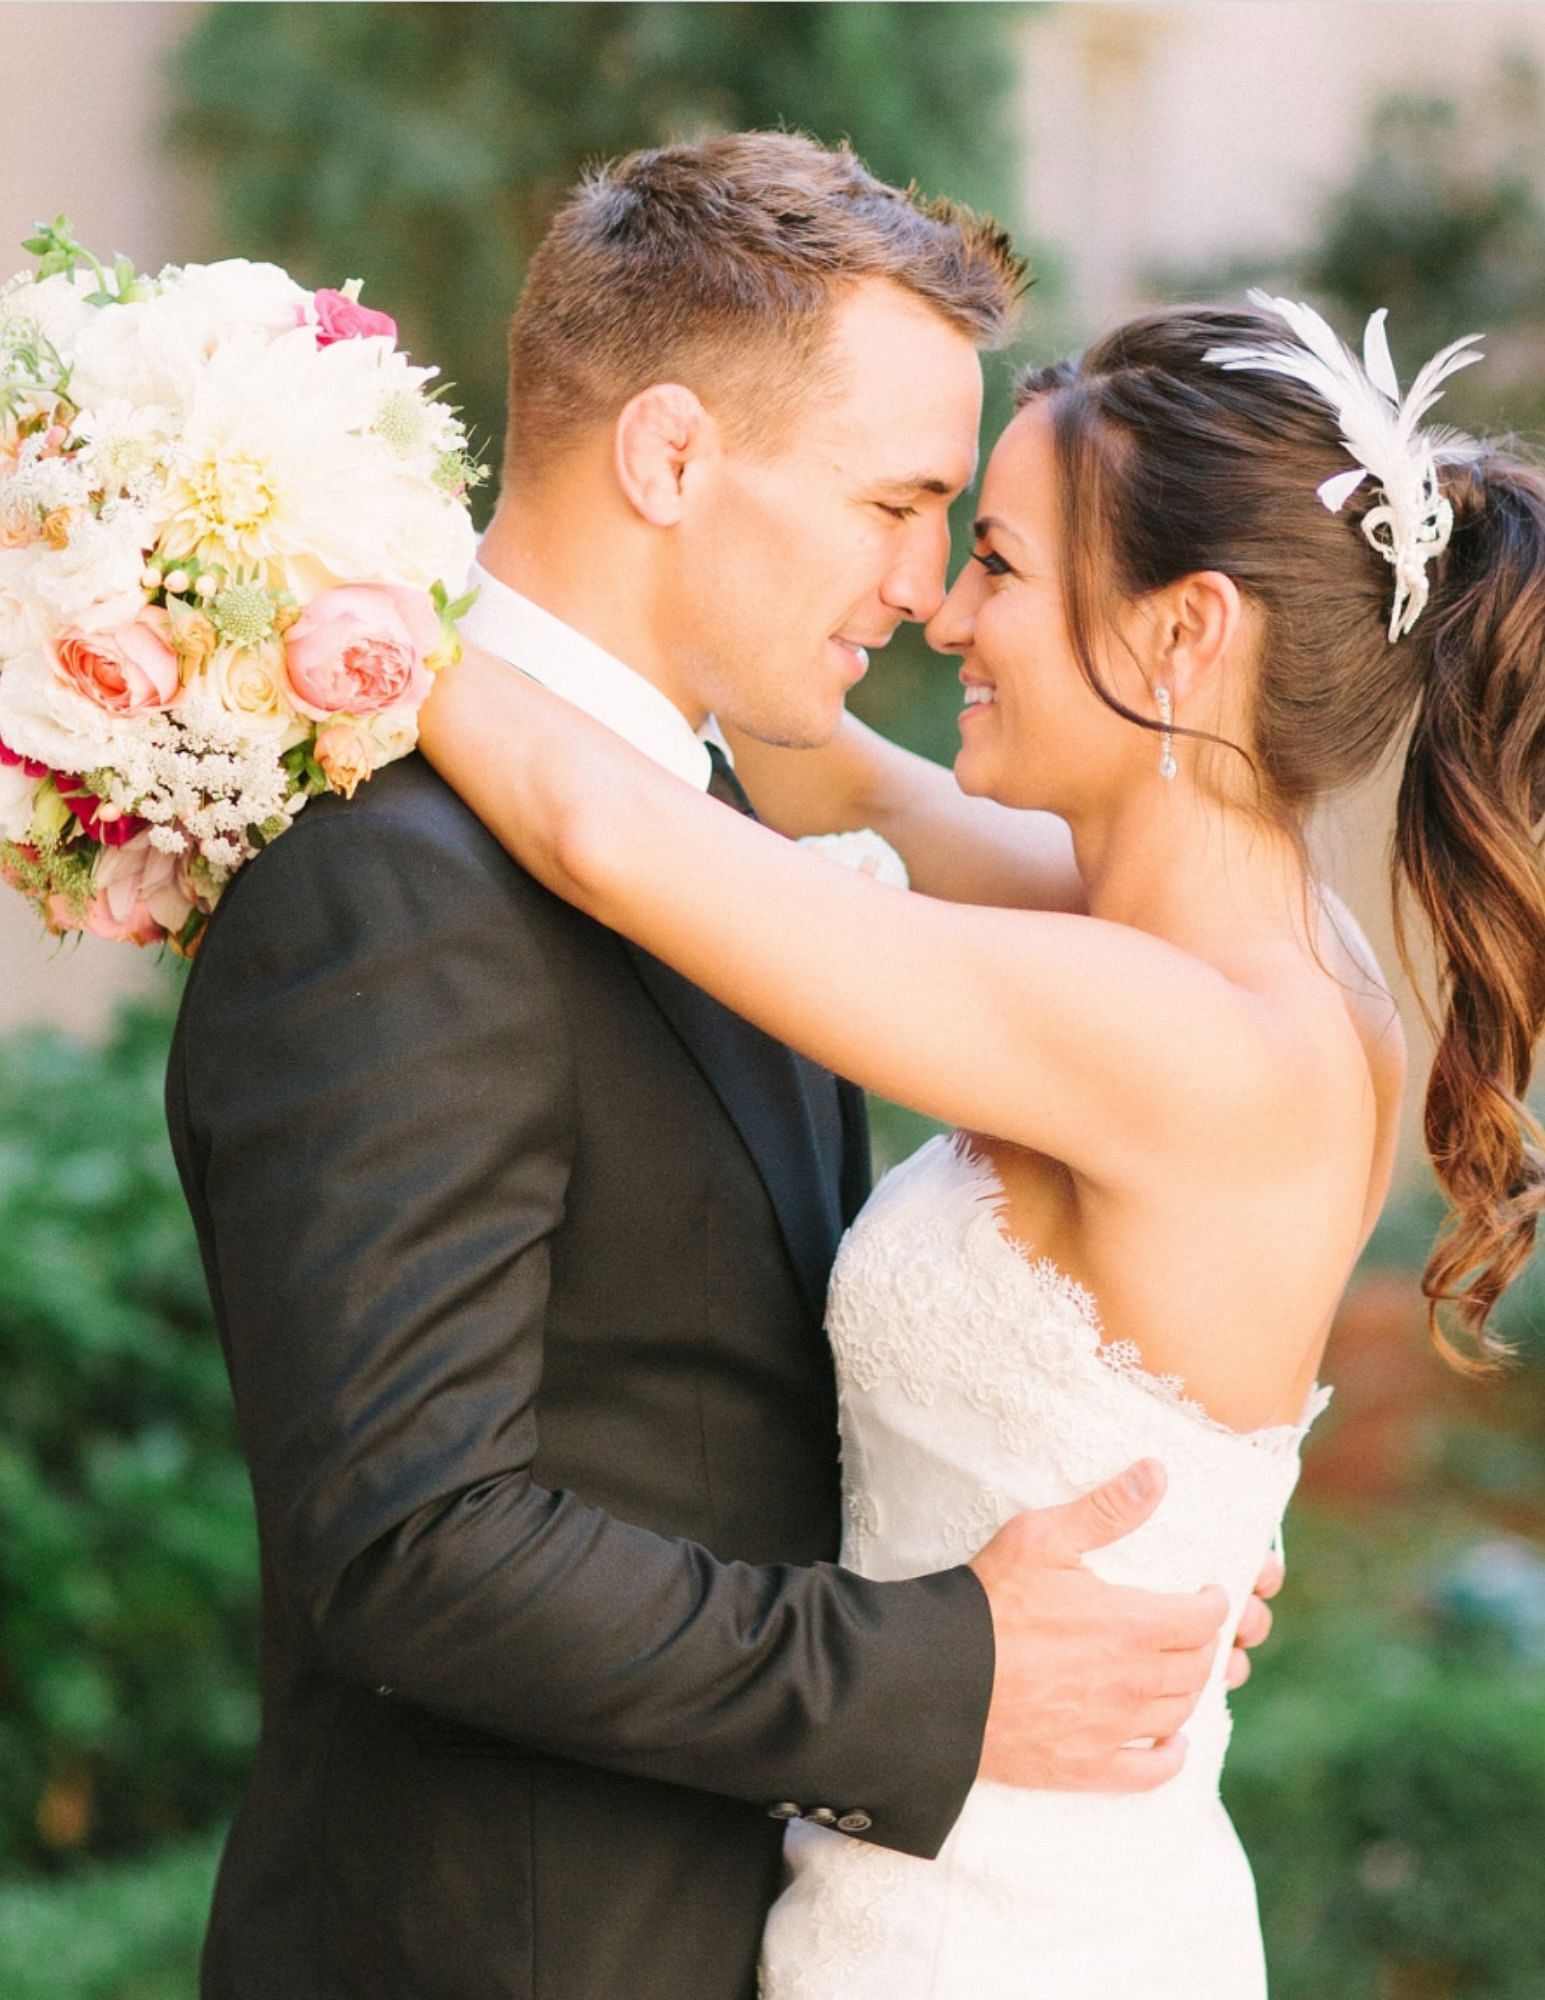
[(914, 584)]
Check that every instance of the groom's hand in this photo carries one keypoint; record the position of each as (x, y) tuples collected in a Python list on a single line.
[(1093, 1679), (1255, 1621)]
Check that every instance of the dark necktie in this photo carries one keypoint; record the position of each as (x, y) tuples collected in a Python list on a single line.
[(724, 785)]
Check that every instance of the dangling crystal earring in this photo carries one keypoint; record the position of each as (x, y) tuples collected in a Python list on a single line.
[(1167, 765)]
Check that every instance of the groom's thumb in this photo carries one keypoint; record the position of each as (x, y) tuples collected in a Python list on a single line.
[(1103, 1516)]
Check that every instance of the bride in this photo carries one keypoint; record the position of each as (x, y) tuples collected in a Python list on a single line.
[(1186, 615)]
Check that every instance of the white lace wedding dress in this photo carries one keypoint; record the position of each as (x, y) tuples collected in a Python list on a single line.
[(974, 1381)]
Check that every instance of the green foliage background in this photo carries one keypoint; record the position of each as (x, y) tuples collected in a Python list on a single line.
[(127, 1643)]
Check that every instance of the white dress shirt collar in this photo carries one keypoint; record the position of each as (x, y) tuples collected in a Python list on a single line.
[(502, 621)]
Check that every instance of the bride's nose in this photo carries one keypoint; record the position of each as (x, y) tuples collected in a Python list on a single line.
[(951, 626)]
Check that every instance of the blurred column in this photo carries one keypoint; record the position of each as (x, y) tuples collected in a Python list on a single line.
[(85, 105)]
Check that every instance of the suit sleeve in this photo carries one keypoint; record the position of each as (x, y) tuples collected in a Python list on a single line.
[(375, 1080)]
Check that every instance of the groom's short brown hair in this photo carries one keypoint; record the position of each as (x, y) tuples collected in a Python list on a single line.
[(716, 265)]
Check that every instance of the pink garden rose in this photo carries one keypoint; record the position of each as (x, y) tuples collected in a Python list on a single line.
[(338, 317), (361, 648), (117, 654), (140, 897)]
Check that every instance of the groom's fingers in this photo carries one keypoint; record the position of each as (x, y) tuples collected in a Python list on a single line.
[(1254, 1624), (1186, 1621), (1067, 1533), (1142, 1769), (1165, 1718)]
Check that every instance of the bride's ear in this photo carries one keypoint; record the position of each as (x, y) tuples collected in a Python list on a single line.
[(661, 436), (1198, 623)]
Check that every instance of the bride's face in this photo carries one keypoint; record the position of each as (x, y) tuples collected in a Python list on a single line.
[(1033, 732)]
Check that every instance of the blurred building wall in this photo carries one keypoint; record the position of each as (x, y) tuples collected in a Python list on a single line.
[(1176, 135), (83, 104)]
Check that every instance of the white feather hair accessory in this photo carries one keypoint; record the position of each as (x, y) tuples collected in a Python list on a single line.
[(1382, 432)]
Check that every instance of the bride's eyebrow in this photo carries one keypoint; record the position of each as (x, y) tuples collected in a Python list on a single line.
[(989, 524)]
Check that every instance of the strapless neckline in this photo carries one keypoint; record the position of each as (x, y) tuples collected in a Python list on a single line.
[(1123, 1357)]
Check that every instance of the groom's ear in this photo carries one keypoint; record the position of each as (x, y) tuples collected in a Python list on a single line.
[(662, 435)]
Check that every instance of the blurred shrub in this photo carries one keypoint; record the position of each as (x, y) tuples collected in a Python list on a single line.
[(1388, 1774), (128, 1670), (128, 1931), (424, 148), (1443, 221)]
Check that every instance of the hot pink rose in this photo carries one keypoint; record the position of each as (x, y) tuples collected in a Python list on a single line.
[(117, 653), (361, 648), (140, 896), (29, 765), (99, 821), (338, 317)]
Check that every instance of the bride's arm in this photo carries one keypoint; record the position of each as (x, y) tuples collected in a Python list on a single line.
[(965, 849), (1055, 1032)]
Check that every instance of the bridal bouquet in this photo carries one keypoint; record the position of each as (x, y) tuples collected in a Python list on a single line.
[(231, 519)]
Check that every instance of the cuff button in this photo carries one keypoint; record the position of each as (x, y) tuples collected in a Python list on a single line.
[(854, 1822), (785, 1809), (821, 1816)]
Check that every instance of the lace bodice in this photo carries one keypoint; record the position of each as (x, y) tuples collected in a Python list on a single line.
[(975, 1380)]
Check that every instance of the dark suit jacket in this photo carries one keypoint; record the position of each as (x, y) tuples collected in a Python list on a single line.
[(518, 1244)]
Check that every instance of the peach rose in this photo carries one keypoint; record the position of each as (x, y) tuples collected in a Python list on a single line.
[(361, 648), (346, 754), (118, 655), (338, 317), (140, 895)]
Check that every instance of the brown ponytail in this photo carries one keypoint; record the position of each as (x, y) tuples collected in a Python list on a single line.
[(1466, 845)]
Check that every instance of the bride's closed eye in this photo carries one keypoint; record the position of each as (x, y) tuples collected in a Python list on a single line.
[(992, 562)]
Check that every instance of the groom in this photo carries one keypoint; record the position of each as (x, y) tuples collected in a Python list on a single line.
[(519, 1243)]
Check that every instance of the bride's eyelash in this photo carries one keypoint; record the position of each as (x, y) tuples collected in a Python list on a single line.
[(992, 562)]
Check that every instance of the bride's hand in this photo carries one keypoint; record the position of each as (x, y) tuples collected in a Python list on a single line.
[(525, 760)]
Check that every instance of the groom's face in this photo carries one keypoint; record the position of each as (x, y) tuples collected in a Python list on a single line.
[(799, 560)]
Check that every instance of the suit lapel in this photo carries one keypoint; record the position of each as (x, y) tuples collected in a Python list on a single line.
[(770, 1096)]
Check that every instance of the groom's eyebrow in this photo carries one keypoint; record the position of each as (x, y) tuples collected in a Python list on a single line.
[(919, 482)]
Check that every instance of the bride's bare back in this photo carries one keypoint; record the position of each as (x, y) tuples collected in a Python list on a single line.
[(1225, 1265)]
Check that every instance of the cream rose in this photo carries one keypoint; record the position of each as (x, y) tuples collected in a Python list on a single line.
[(249, 681)]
